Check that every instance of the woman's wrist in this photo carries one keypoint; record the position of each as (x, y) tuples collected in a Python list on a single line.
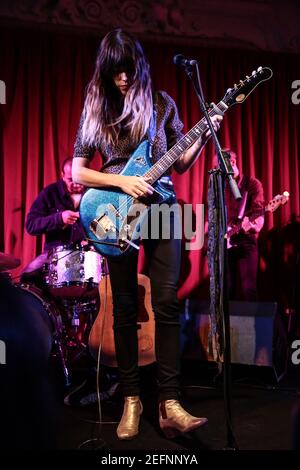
[(117, 180), (204, 139)]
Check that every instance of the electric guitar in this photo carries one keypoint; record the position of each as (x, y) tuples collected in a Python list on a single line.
[(112, 220), (272, 205)]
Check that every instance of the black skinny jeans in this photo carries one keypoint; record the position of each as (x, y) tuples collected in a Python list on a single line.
[(163, 256)]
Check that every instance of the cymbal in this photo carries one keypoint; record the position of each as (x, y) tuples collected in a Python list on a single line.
[(8, 261)]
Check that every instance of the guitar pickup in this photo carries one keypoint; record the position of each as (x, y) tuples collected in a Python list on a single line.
[(101, 226)]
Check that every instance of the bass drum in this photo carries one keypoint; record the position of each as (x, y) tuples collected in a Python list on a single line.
[(43, 314), (29, 325), (75, 272), (27, 403), (46, 322)]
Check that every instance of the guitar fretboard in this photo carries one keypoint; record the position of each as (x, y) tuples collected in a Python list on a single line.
[(162, 165)]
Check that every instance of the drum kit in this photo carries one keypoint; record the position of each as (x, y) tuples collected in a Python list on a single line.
[(67, 298)]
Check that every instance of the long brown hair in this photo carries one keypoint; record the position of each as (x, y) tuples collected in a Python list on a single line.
[(105, 110)]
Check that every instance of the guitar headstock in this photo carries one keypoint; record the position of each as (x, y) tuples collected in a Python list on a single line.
[(242, 90), (277, 201)]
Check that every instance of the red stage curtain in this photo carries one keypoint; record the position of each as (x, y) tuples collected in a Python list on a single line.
[(46, 75)]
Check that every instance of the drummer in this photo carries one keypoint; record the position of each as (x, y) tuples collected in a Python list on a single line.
[(54, 213)]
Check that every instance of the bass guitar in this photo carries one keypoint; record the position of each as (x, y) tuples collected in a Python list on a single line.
[(272, 205), (111, 219)]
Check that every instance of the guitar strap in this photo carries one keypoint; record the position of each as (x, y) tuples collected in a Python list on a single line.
[(152, 128)]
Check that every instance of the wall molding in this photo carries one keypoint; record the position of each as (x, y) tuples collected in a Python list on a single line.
[(269, 25)]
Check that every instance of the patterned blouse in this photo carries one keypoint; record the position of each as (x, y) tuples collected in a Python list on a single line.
[(168, 132)]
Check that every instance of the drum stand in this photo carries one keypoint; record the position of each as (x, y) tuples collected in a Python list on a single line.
[(73, 331), (62, 358)]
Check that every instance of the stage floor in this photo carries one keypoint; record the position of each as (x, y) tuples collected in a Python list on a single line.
[(262, 412)]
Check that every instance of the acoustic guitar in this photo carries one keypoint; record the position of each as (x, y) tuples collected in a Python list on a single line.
[(101, 334)]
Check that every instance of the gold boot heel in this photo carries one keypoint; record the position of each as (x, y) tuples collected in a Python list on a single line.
[(128, 427), (173, 419), (170, 433)]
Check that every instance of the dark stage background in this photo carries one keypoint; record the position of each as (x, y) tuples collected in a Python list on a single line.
[(46, 74)]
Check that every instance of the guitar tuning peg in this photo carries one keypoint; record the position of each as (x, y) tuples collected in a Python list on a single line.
[(247, 77), (254, 72), (241, 82), (235, 85), (259, 68)]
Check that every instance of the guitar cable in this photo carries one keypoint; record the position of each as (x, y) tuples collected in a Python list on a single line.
[(97, 442)]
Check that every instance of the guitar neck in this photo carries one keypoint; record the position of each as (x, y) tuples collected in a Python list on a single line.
[(165, 162)]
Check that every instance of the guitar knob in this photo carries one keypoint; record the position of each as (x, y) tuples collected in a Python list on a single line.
[(127, 229), (53, 275), (81, 273)]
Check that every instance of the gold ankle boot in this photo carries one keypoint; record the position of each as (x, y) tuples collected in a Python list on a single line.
[(173, 419), (129, 425)]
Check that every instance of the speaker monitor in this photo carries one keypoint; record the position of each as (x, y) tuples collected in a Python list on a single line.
[(257, 335)]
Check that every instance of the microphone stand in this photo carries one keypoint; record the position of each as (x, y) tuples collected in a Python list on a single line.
[(225, 172)]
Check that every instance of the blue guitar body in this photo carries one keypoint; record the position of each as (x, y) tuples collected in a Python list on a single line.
[(112, 219)]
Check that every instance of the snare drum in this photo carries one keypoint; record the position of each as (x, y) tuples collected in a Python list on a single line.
[(75, 272)]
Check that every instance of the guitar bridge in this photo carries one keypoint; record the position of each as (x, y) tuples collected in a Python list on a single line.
[(101, 226)]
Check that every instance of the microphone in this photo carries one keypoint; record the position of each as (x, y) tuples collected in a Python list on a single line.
[(179, 59)]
